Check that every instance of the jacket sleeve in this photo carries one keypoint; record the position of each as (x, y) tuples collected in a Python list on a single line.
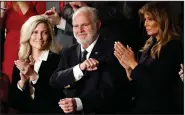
[(101, 99), (62, 76), (163, 72), (20, 100)]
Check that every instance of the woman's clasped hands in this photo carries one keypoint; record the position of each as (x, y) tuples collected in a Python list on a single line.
[(125, 56)]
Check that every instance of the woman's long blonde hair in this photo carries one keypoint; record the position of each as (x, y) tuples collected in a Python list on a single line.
[(160, 13), (26, 32)]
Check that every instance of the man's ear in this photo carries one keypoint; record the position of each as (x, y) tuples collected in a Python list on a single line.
[(98, 24)]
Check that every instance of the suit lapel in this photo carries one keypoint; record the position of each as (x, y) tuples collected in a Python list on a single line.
[(78, 53), (95, 54), (98, 51), (45, 65), (74, 56)]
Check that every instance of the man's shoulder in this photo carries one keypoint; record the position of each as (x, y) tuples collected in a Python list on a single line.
[(105, 43)]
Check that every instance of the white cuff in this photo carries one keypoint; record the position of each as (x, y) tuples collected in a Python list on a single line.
[(62, 24), (77, 72), (19, 87), (32, 96), (78, 104)]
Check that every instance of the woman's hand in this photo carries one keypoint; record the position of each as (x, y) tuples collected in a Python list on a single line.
[(33, 74), (126, 55), (22, 65), (23, 77), (121, 61), (23, 80), (26, 67)]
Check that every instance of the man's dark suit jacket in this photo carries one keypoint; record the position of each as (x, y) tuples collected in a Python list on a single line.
[(96, 88), (158, 85), (46, 98)]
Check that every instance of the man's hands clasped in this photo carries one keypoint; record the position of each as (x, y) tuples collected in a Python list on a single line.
[(89, 65)]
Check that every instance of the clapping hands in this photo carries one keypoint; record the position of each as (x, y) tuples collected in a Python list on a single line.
[(26, 69), (126, 57)]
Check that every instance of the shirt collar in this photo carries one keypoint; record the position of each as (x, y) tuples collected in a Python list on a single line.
[(44, 55), (90, 48)]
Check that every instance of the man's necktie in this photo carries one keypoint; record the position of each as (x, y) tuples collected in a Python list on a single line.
[(83, 55)]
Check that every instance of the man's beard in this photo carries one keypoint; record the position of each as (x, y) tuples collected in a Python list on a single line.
[(89, 39)]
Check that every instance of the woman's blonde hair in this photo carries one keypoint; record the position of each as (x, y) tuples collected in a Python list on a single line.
[(26, 32), (160, 13)]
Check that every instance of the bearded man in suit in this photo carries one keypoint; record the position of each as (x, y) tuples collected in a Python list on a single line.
[(87, 83)]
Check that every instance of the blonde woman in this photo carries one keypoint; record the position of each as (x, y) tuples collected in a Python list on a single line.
[(155, 76), (13, 14), (30, 91)]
